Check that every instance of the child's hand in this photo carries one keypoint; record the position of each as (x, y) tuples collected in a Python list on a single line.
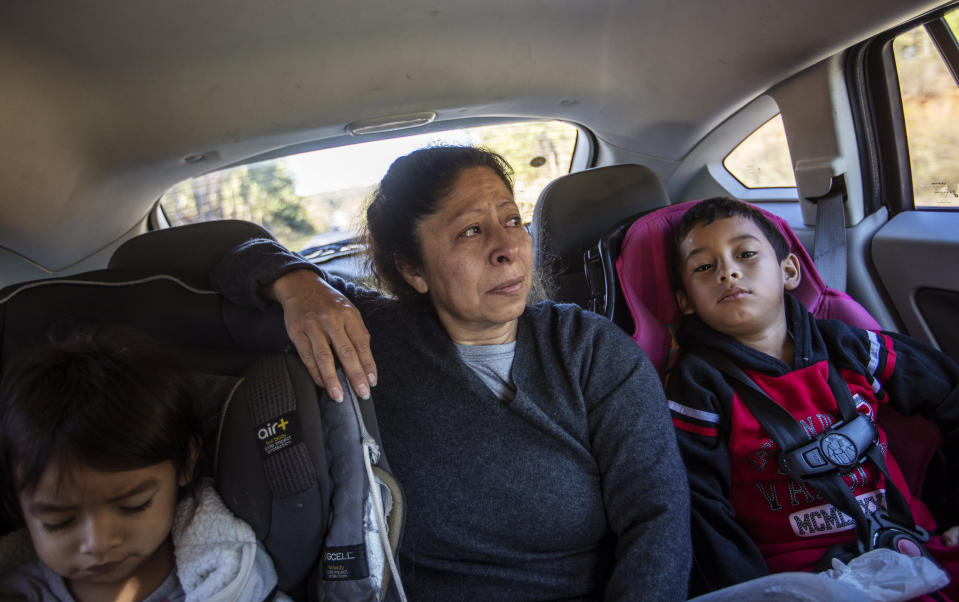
[(951, 537)]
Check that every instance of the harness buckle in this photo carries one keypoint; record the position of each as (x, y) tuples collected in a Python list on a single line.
[(884, 532), (839, 448)]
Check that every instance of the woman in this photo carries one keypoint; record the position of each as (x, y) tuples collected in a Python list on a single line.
[(533, 442)]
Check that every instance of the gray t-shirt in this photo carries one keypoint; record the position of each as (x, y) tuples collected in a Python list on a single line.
[(34, 582), (492, 363)]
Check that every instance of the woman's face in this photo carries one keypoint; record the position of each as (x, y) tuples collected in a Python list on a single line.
[(477, 260)]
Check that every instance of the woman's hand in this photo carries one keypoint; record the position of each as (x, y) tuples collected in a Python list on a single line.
[(322, 323)]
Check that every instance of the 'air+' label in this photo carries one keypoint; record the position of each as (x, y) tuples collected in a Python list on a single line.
[(278, 434)]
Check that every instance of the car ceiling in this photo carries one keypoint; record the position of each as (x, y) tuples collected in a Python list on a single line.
[(104, 100)]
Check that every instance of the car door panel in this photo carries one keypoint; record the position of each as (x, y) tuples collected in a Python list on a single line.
[(916, 255)]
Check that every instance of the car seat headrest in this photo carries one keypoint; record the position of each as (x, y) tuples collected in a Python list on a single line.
[(190, 251), (574, 210), (645, 271)]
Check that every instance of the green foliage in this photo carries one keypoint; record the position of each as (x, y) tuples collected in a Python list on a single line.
[(261, 193)]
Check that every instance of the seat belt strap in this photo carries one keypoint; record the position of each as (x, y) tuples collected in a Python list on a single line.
[(786, 431), (789, 435), (597, 281), (896, 503), (829, 249)]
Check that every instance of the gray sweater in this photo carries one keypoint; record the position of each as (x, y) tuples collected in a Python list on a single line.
[(572, 490)]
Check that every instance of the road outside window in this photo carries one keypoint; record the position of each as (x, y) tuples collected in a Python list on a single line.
[(930, 103), (315, 198)]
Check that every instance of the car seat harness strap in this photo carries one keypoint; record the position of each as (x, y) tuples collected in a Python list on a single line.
[(822, 460)]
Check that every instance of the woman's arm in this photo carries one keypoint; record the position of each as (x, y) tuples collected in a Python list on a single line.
[(643, 482), (320, 319)]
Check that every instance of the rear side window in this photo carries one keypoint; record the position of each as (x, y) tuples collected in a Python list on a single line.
[(762, 160), (930, 104), (315, 198)]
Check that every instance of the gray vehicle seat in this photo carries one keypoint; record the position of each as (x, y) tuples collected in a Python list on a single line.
[(311, 518), (576, 210)]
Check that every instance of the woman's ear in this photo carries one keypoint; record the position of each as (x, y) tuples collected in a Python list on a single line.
[(411, 273), (792, 273), (186, 476)]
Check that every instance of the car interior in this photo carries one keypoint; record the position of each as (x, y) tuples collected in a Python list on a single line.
[(139, 141)]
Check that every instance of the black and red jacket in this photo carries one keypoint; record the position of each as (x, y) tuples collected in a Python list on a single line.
[(748, 518)]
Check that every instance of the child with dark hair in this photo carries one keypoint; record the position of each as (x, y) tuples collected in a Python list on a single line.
[(99, 437), (749, 517)]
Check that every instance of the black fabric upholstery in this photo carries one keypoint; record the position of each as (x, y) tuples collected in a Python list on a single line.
[(189, 251), (213, 335)]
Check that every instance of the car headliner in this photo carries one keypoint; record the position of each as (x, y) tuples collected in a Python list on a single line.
[(104, 100)]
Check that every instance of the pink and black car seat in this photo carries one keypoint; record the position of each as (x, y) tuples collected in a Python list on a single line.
[(627, 277), (644, 269)]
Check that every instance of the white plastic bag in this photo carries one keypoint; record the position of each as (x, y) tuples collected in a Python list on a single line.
[(888, 576), (786, 587)]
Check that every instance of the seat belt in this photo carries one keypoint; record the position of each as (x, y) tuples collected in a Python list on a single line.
[(597, 280), (829, 248), (821, 461)]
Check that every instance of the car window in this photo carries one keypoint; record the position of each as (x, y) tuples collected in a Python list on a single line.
[(314, 198), (762, 160), (930, 104)]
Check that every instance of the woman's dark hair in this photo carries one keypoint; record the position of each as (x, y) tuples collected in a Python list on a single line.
[(722, 207), (409, 193), (102, 397)]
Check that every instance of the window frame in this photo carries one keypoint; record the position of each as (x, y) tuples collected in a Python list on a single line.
[(582, 157), (741, 142), (873, 83)]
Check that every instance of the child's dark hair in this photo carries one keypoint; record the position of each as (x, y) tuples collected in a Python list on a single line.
[(102, 397), (722, 207)]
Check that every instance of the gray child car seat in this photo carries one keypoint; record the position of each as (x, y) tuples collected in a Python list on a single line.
[(305, 472)]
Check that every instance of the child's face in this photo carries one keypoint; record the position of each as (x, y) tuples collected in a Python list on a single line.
[(733, 280), (104, 529)]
